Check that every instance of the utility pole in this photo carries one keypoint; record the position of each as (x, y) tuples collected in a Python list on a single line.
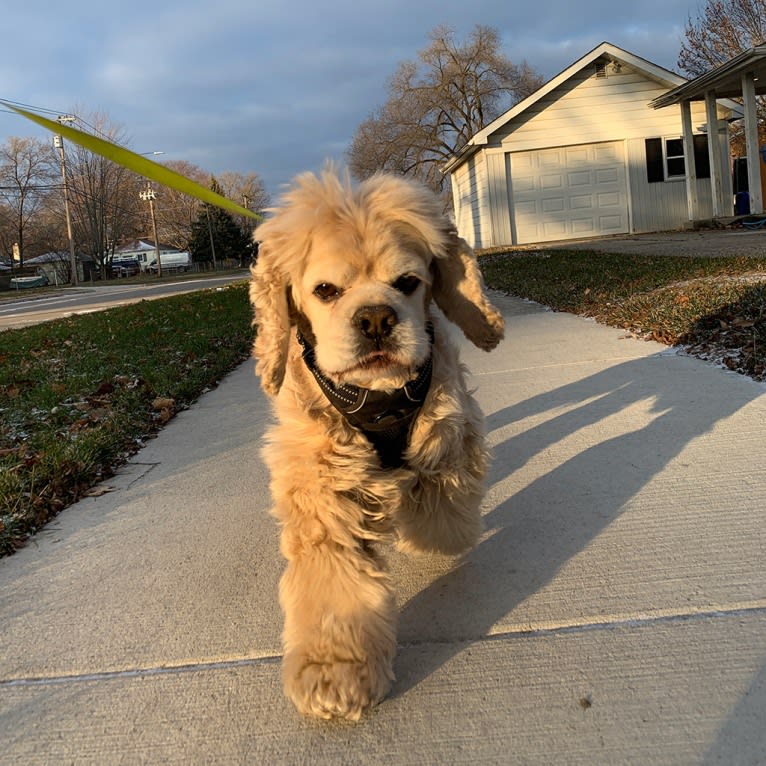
[(210, 234), (58, 142), (149, 196)]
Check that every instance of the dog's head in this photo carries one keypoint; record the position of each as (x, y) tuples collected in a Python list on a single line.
[(355, 269)]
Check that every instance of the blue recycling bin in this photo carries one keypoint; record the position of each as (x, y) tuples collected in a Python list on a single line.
[(742, 203)]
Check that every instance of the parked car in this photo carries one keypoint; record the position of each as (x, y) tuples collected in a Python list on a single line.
[(125, 267), (170, 262)]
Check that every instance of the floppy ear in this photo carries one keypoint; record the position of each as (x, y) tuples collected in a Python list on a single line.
[(458, 290), (268, 295)]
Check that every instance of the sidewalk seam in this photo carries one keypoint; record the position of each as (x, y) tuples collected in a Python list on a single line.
[(757, 609), (162, 670)]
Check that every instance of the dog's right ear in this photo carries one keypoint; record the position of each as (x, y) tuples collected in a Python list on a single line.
[(268, 296)]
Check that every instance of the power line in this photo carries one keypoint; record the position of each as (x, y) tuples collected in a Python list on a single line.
[(35, 187), (30, 106), (57, 113)]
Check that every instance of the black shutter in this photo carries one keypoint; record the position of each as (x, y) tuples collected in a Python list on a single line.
[(654, 165), (701, 156)]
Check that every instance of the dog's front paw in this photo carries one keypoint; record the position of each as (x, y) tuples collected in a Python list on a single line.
[(338, 689)]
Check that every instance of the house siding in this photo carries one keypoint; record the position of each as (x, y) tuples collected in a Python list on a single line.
[(659, 206), (588, 109), (499, 202), (663, 206), (470, 196)]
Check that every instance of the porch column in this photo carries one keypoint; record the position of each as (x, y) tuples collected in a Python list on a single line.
[(714, 151), (691, 167), (751, 141)]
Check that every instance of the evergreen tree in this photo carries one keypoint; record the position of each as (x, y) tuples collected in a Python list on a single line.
[(229, 241)]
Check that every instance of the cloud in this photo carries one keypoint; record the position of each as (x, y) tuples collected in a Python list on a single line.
[(275, 87)]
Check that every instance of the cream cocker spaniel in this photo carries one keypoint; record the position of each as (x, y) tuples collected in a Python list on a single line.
[(378, 437)]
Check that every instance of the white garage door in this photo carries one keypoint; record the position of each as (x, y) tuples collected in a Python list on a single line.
[(569, 192)]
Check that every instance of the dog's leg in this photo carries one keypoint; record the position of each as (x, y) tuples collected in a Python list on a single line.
[(440, 513), (340, 617), (438, 518)]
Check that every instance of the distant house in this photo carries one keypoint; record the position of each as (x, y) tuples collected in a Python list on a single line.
[(585, 156), (56, 266)]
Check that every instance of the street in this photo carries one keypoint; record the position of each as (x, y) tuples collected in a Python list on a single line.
[(28, 310)]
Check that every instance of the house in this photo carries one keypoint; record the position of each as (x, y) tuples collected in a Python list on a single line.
[(56, 266), (585, 156)]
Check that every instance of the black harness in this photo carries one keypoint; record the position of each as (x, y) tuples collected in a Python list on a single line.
[(384, 418)]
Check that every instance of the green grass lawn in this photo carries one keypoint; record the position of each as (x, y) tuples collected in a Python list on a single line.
[(714, 306), (79, 395)]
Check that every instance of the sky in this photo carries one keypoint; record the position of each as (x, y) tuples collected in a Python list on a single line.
[(277, 87)]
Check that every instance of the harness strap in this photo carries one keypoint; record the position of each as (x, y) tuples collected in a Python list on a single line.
[(386, 419)]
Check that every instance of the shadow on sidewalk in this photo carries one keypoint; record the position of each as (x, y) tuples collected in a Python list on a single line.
[(538, 529)]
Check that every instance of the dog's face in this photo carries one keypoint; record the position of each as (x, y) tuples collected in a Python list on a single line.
[(363, 297), (355, 269)]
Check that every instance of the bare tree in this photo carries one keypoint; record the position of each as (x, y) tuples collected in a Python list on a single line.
[(175, 211), (437, 103), (27, 176), (104, 196), (106, 208), (721, 30), (247, 190)]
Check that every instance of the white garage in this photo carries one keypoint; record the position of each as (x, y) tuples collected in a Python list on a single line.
[(586, 156), (569, 192)]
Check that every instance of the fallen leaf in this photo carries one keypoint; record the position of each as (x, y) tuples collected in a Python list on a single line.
[(105, 388), (162, 403), (102, 489)]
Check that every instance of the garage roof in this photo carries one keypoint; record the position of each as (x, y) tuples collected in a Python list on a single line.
[(725, 80), (614, 53)]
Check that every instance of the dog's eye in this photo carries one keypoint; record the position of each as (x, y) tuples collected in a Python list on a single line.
[(407, 284), (327, 292)]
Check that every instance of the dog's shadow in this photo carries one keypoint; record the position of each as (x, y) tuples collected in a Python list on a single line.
[(535, 531)]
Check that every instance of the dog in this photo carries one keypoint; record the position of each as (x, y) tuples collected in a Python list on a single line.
[(377, 435)]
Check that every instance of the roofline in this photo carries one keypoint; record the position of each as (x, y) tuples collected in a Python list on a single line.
[(702, 83), (481, 138)]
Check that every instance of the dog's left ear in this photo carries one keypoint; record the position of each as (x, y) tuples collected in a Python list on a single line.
[(458, 289)]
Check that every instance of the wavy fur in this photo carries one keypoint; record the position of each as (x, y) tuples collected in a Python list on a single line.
[(334, 501)]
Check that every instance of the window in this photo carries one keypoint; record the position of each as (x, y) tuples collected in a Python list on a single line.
[(674, 158), (665, 158)]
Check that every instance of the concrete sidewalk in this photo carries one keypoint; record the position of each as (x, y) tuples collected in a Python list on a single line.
[(614, 612)]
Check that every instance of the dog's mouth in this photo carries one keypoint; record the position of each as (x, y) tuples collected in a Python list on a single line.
[(378, 368), (377, 360)]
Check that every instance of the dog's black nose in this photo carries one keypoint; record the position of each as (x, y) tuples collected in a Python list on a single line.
[(375, 322)]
